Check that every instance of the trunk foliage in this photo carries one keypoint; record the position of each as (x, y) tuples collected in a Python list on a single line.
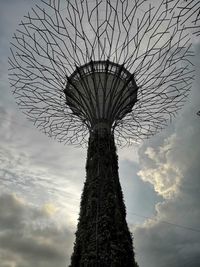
[(102, 238)]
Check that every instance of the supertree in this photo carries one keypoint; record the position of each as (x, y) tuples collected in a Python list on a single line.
[(111, 71)]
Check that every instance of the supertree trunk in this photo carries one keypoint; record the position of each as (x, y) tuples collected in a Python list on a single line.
[(102, 237)]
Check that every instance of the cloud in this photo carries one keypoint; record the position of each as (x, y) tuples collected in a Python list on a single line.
[(164, 175), (164, 244), (134, 190), (170, 163), (50, 175), (37, 167), (30, 236)]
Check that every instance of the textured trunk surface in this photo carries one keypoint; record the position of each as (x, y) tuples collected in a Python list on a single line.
[(102, 237)]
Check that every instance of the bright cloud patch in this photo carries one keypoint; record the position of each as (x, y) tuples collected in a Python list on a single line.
[(164, 174)]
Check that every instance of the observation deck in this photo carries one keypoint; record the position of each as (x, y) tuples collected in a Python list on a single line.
[(101, 93)]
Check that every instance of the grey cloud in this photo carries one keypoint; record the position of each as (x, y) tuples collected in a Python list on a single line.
[(34, 166), (140, 198), (32, 147), (10, 212), (160, 244), (27, 244)]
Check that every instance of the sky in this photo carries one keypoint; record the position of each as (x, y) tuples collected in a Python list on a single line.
[(41, 181)]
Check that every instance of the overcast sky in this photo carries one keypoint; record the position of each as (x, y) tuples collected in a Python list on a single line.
[(41, 182)]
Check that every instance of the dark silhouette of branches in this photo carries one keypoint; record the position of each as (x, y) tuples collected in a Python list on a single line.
[(152, 42)]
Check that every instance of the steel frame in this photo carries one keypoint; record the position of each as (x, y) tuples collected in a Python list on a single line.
[(154, 43)]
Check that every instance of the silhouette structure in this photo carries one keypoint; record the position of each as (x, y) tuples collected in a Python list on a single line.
[(111, 71)]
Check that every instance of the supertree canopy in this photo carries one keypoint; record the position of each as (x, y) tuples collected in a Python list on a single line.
[(110, 70), (145, 45)]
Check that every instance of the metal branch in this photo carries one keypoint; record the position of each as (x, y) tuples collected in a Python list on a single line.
[(151, 42)]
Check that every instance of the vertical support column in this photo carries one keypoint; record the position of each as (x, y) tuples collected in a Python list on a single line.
[(102, 237)]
